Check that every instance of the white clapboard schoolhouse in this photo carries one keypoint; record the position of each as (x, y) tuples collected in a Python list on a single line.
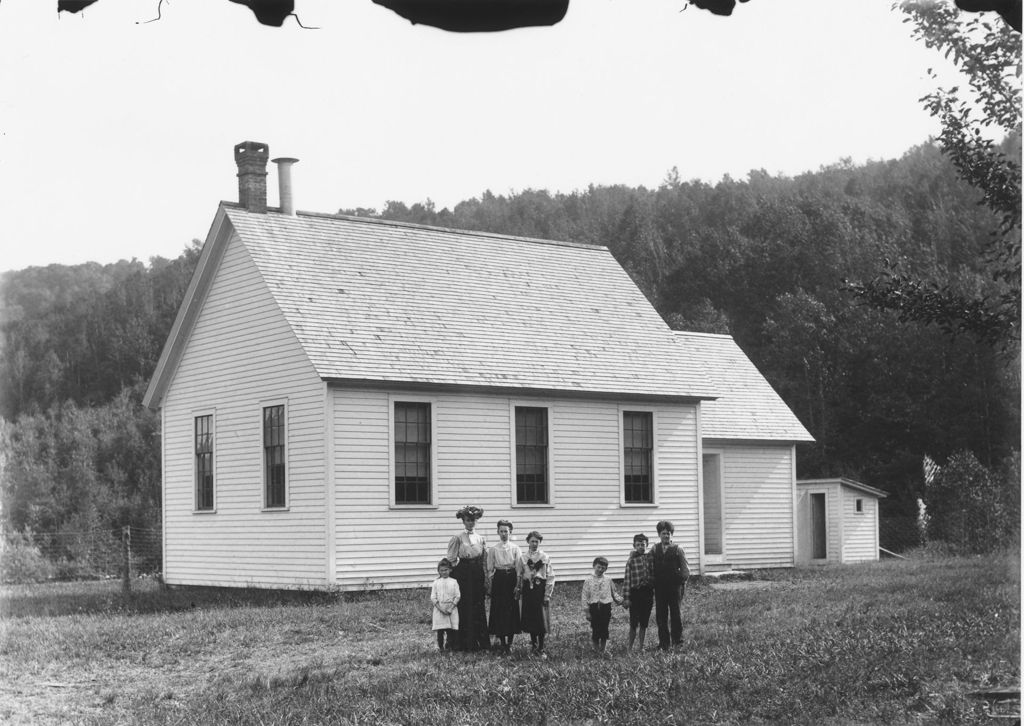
[(334, 388)]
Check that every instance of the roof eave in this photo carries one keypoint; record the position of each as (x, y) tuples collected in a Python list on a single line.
[(843, 481), (756, 440), (430, 387), (188, 312)]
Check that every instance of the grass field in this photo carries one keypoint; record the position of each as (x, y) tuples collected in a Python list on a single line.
[(886, 643)]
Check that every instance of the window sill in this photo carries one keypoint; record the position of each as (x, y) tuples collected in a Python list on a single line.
[(271, 510), (413, 506), (638, 505), (532, 505), (204, 511)]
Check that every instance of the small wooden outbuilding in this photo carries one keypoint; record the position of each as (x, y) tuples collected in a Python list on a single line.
[(837, 521)]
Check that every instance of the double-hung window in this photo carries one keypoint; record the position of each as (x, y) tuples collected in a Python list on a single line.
[(203, 435), (412, 451), (531, 443), (638, 457), (274, 457)]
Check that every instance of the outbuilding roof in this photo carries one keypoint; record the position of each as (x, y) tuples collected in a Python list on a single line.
[(843, 481), (748, 408), (387, 302)]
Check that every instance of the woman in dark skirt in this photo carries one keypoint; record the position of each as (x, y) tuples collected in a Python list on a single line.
[(536, 582), (502, 584), (466, 552)]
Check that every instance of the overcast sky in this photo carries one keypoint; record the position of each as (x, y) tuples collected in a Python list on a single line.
[(116, 134)]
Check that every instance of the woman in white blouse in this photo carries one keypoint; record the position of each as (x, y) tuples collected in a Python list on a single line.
[(466, 552), (502, 584)]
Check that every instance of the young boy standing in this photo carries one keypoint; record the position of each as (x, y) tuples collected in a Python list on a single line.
[(638, 591), (670, 573), (598, 595)]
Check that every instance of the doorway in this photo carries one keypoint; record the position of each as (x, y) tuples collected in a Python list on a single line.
[(819, 533), (714, 509)]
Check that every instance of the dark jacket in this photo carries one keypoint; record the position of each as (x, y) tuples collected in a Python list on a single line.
[(669, 564)]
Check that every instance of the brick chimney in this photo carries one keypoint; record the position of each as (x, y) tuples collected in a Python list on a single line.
[(251, 158)]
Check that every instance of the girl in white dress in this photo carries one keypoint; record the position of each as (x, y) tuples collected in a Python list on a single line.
[(444, 596)]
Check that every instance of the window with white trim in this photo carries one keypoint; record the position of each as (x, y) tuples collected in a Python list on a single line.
[(859, 506), (412, 451), (532, 476), (638, 457), (275, 485), (203, 436)]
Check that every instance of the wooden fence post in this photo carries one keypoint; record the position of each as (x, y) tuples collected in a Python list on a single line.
[(126, 555)]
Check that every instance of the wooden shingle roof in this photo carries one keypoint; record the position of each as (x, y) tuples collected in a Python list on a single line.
[(375, 301), (843, 481), (748, 408)]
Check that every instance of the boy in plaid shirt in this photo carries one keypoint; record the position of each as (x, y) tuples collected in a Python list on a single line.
[(638, 591)]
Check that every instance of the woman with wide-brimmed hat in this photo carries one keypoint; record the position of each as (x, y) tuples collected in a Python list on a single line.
[(467, 551)]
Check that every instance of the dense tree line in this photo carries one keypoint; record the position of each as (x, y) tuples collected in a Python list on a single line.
[(83, 333), (972, 116), (77, 347), (765, 259)]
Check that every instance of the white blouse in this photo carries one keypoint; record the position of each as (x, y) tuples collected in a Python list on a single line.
[(503, 556), (465, 544)]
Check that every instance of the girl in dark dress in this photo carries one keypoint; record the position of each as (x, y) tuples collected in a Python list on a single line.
[(536, 582), (466, 552)]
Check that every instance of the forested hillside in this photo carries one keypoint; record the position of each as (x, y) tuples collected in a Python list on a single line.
[(767, 259), (78, 345)]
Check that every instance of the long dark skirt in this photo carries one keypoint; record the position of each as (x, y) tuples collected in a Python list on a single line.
[(532, 620), (472, 632), (504, 611)]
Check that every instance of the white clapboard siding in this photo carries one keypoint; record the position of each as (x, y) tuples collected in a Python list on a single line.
[(833, 507), (852, 536), (241, 356), (758, 503), (381, 545), (860, 529), (833, 522)]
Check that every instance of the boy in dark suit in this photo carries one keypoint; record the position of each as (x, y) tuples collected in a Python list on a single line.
[(670, 572)]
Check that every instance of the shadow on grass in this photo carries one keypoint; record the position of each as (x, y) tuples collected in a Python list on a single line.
[(147, 595)]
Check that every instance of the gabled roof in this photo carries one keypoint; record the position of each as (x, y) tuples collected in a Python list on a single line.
[(748, 408), (843, 481), (383, 302)]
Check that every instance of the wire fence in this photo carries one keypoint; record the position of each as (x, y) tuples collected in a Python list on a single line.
[(96, 554), (899, 534)]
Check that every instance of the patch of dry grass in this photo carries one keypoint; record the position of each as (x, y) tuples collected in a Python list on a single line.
[(890, 642)]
